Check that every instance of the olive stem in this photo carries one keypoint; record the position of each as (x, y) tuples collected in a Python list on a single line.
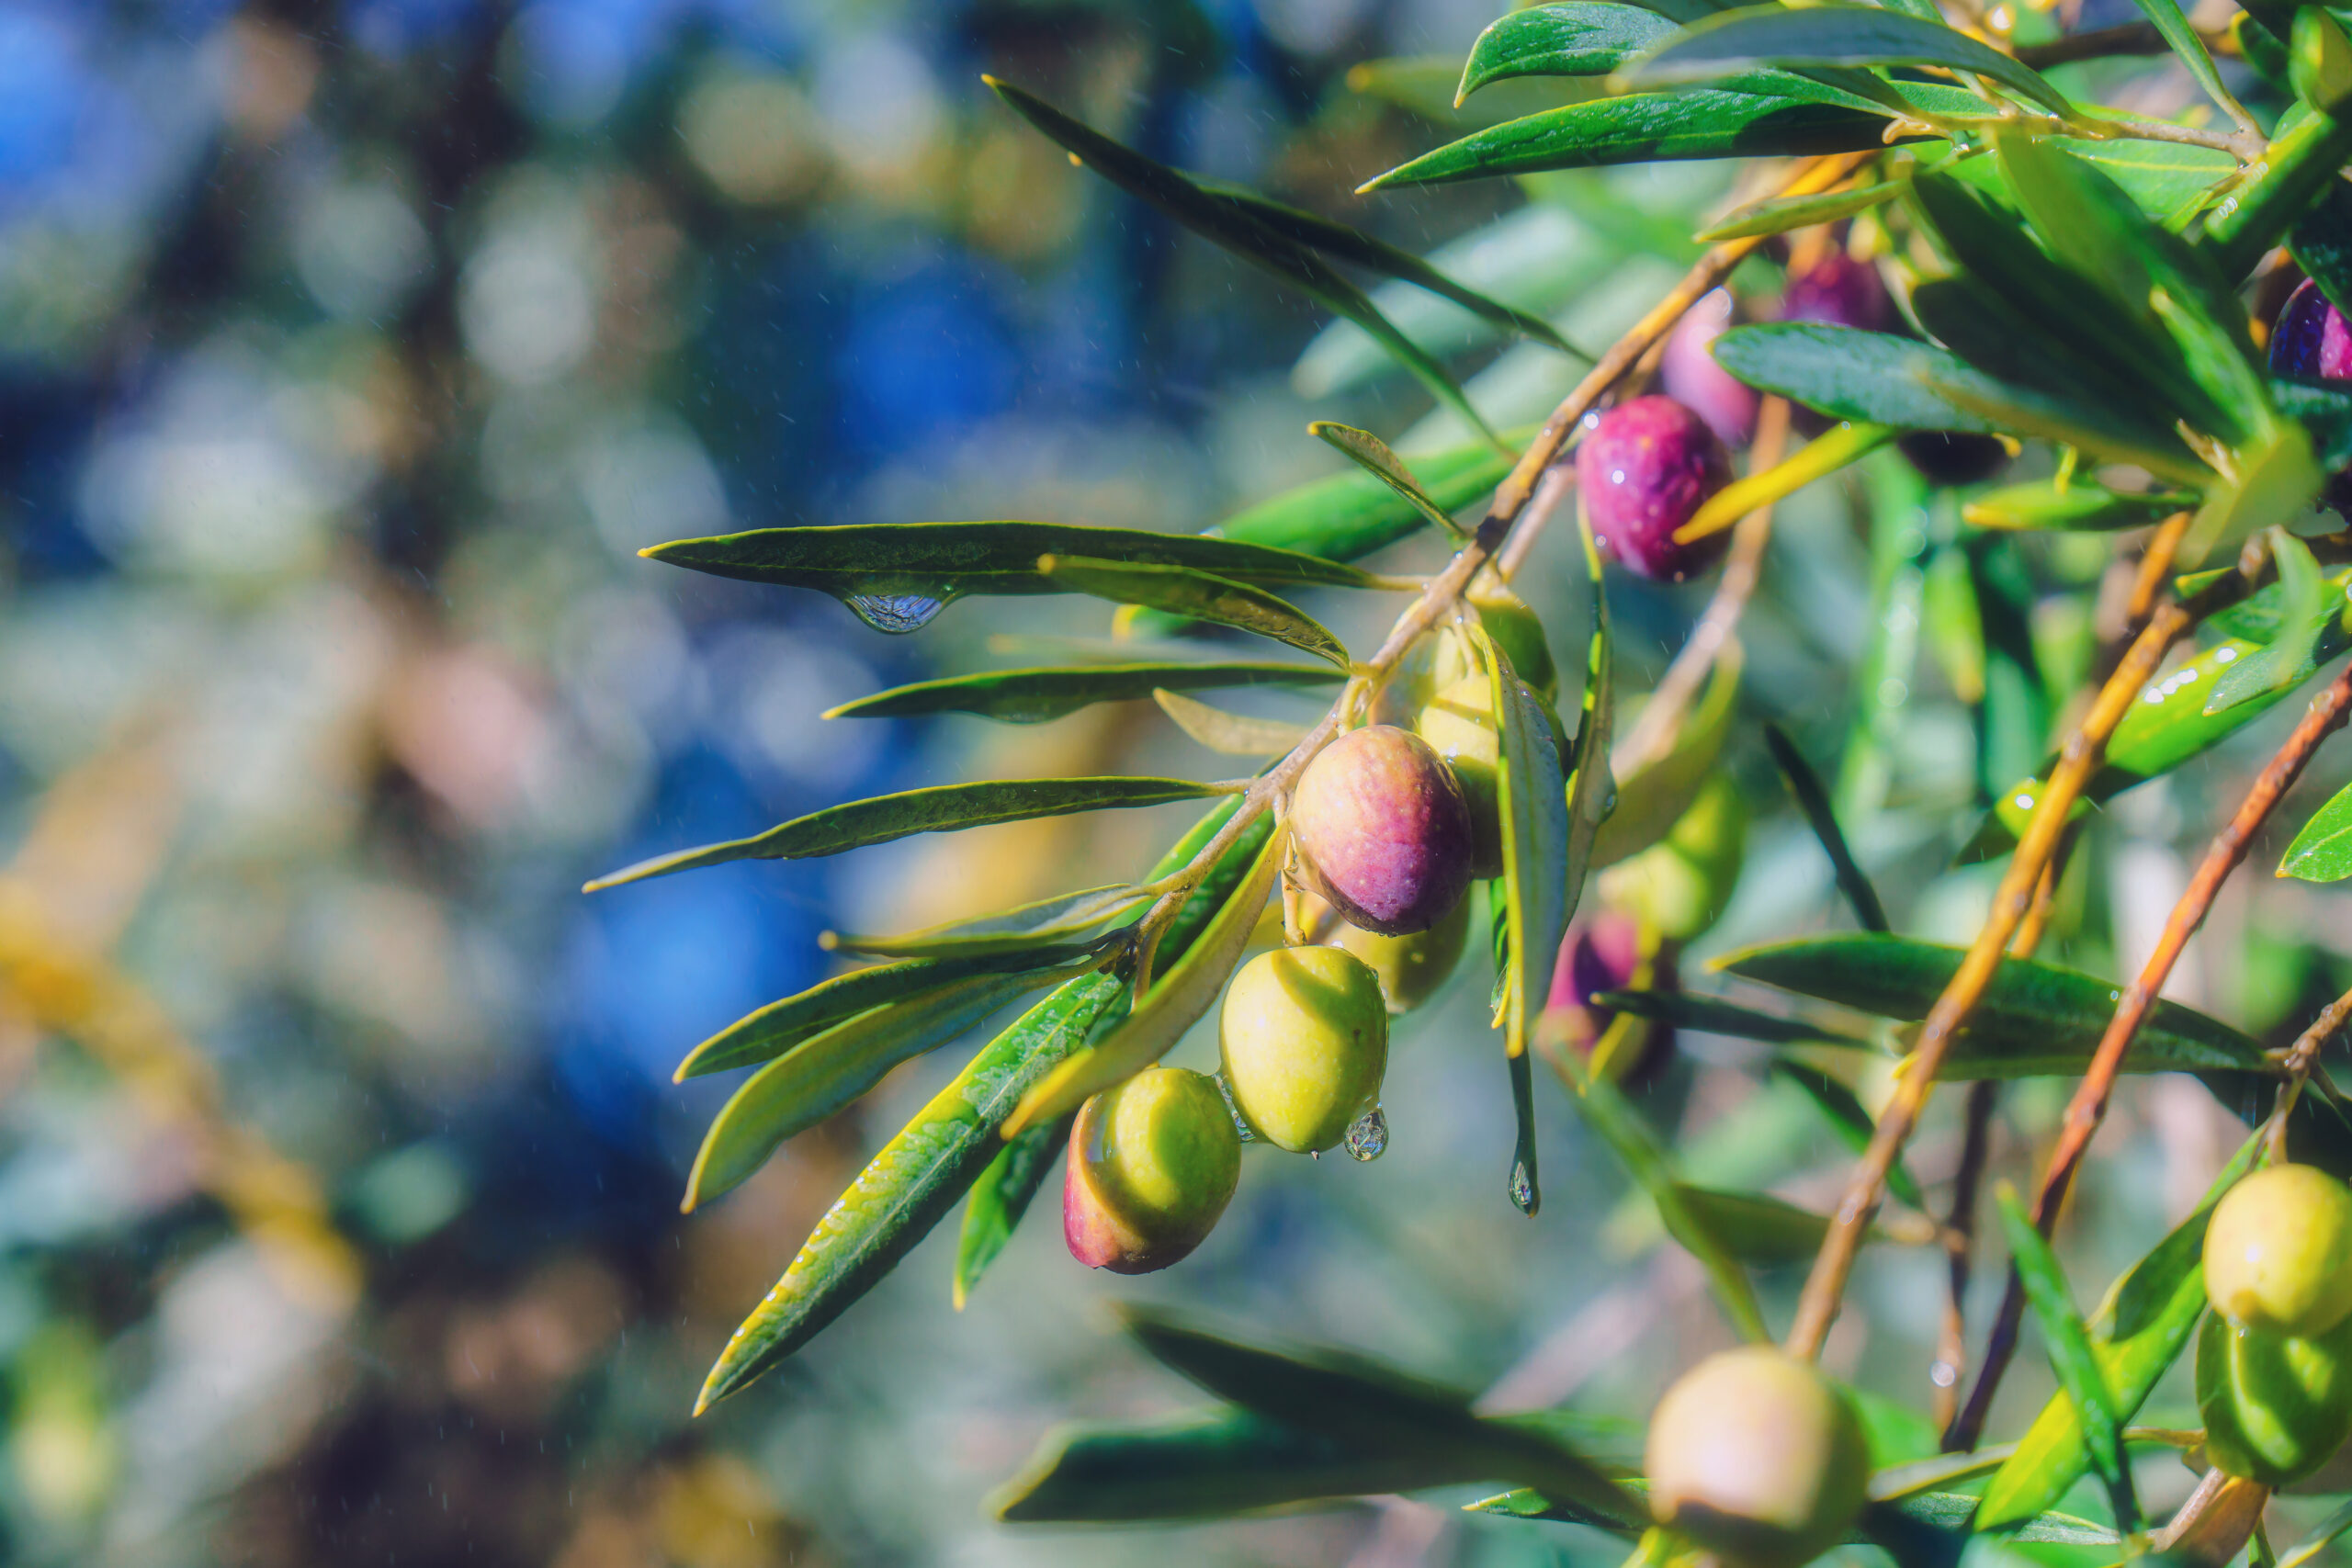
[(2083, 1113), (1443, 592), (1826, 1286), (2301, 1058)]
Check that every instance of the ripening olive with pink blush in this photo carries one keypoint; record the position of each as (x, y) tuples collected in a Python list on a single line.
[(1383, 830), (2311, 341), (1152, 1164), (1603, 952), (1689, 372), (1643, 468), (1838, 292)]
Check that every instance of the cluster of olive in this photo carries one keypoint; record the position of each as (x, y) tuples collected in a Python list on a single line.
[(2273, 1361)]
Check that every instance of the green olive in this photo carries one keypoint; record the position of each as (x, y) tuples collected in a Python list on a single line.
[(1152, 1164), (1411, 969), (1681, 886), (1459, 724), (2279, 1251), (1756, 1456), (1305, 1040), (2276, 1407), (1516, 630)]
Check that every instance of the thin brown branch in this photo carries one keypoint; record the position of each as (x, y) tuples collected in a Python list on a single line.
[(1825, 1287), (2301, 1058), (1960, 1238), (2087, 1108)]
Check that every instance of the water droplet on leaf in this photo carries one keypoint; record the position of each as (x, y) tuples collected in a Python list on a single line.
[(1522, 1187), (1225, 1089), (1368, 1138), (895, 613)]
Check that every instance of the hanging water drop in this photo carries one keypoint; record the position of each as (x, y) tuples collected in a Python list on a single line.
[(895, 613), (1522, 1187), (1225, 1089), (1368, 1138)]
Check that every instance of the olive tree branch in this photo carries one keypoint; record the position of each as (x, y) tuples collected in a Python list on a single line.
[(2326, 714), (2301, 1057), (1443, 592)]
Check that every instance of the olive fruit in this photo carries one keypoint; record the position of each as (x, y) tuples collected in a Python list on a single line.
[(1608, 951), (1756, 1457), (1152, 1164), (1681, 884), (1687, 372), (1459, 724), (1410, 969), (1516, 630), (2278, 1252), (2277, 1406), (1641, 470), (1383, 830), (1304, 1035), (2311, 339), (1838, 292), (1952, 457)]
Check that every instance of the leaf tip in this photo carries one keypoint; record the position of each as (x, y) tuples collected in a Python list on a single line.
[(828, 940)]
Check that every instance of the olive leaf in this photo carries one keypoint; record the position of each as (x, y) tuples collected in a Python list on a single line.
[(1230, 734), (825, 1072), (2033, 1018), (1780, 214), (940, 809), (1034, 696), (1330, 1393), (1853, 1124), (1198, 596), (1244, 229), (1794, 38), (2071, 1357), (777, 1028), (1370, 454), (1712, 1015), (920, 1174), (2323, 849), (1813, 802), (2305, 616), (1001, 1197), (1584, 37), (1350, 515), (2081, 506), (1064, 918), (1756, 1227), (2182, 39), (1943, 1511), (897, 576), (2312, 1545), (1840, 446), (1176, 1002)]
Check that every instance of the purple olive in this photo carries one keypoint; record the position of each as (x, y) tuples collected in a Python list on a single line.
[(1604, 951), (1952, 457), (1643, 468), (1383, 830), (1690, 376), (2312, 340), (1838, 292)]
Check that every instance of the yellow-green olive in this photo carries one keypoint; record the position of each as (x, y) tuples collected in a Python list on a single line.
[(1304, 1035), (1681, 886), (2279, 1251), (1756, 1456), (1152, 1164), (1459, 724), (2276, 1406), (1411, 969)]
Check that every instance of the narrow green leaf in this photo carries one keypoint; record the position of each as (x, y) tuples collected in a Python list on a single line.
[(1175, 1002), (1652, 796), (1537, 826), (1756, 1227), (1854, 1126), (1350, 515), (2137, 1334), (2082, 506), (779, 1026), (1794, 37), (2307, 614), (1779, 214), (1603, 1107), (1584, 38), (920, 1174), (2275, 480), (1230, 734), (2183, 41), (1370, 454), (1687, 1010), (2312, 1545), (1033, 696), (1813, 802), (1210, 1465), (1649, 127), (1939, 1510), (1198, 596), (1334, 1393), (897, 576), (1064, 918), (1244, 229), (1590, 789), (1840, 446), (1001, 1197), (2171, 181), (2068, 1341), (2324, 411), (2034, 1017), (2322, 850), (826, 1072), (2306, 151), (942, 808)]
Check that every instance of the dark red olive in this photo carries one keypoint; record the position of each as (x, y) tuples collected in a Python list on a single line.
[(1691, 377), (1383, 830), (2312, 340), (1604, 951), (1952, 457), (1643, 468), (1838, 292)]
